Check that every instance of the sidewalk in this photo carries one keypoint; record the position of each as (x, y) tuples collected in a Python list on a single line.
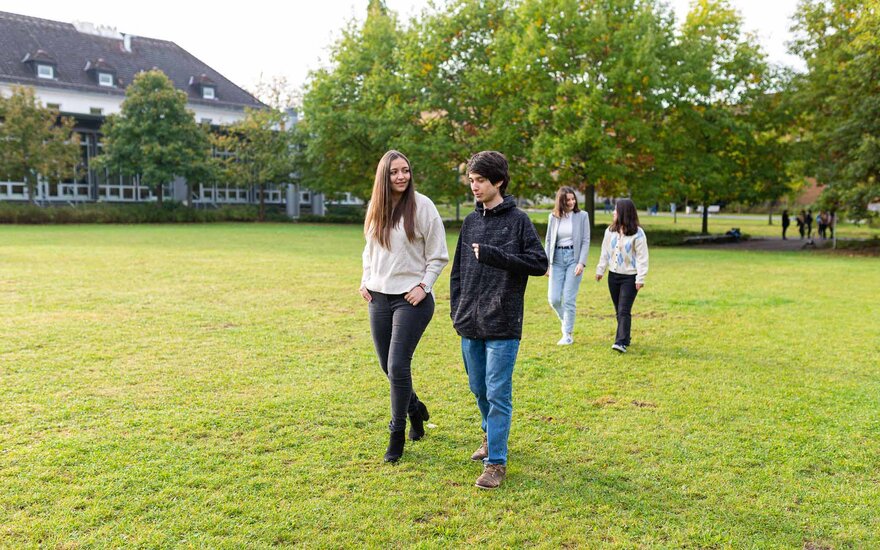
[(772, 244)]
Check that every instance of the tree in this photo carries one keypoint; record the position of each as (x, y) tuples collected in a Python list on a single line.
[(454, 67), (261, 144), (154, 135), (593, 73), (35, 142), (838, 99), (356, 109), (710, 128)]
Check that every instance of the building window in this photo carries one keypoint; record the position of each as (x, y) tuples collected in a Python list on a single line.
[(208, 92), (105, 79), (96, 111), (206, 121), (53, 106), (45, 71)]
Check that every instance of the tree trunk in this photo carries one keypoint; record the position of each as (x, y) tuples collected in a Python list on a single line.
[(159, 191), (770, 215), (189, 194), (262, 216), (590, 204), (705, 230), (31, 189)]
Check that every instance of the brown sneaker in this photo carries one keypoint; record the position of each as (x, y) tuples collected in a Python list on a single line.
[(492, 476), (483, 451)]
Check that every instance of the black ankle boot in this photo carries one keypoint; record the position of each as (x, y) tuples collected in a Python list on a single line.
[(395, 446), (417, 422)]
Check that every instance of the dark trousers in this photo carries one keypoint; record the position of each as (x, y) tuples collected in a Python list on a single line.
[(623, 294), (397, 326)]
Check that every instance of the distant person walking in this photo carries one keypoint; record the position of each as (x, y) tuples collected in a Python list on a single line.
[(808, 219), (404, 255), (822, 224), (801, 223), (786, 221), (625, 255), (566, 245)]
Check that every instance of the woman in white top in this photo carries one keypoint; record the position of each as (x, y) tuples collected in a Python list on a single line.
[(404, 255), (625, 255), (566, 244)]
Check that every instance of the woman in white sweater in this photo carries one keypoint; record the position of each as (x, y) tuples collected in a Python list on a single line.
[(566, 245), (625, 255), (403, 257)]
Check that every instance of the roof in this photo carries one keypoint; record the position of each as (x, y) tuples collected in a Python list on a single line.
[(24, 38)]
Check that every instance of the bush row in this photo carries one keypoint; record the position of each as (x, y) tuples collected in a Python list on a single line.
[(175, 212), (169, 212)]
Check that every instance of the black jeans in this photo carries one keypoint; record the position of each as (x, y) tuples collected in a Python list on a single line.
[(623, 294), (397, 327)]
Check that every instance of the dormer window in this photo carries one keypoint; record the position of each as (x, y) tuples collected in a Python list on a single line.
[(45, 71), (105, 79), (41, 63), (101, 73), (204, 86)]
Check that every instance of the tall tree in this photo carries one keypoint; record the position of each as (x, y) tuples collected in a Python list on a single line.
[(35, 142), (454, 65), (154, 135), (356, 109), (839, 100), (710, 128), (594, 75), (262, 150)]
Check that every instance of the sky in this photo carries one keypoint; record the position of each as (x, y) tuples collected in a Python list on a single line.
[(268, 39)]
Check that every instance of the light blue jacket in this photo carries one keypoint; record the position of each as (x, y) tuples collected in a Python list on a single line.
[(580, 225)]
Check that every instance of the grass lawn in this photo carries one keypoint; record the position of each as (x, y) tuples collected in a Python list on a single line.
[(215, 386)]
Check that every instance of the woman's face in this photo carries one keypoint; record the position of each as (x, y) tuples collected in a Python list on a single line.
[(615, 215), (400, 176), (570, 202)]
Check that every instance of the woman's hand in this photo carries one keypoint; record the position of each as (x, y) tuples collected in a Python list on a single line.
[(578, 270), (416, 295), (548, 273), (598, 277), (365, 293), (639, 286)]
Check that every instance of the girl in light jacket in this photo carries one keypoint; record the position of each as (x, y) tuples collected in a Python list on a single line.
[(404, 255), (567, 244), (625, 254)]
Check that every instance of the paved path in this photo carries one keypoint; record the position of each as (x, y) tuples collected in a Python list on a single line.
[(771, 244)]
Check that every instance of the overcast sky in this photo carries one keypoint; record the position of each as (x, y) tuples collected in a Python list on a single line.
[(264, 39)]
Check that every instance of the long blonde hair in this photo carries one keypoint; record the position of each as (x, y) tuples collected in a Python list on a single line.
[(382, 215)]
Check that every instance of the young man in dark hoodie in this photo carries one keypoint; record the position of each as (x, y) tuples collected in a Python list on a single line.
[(498, 248)]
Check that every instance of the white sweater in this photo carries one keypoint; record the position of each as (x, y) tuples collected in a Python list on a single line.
[(624, 254), (396, 270)]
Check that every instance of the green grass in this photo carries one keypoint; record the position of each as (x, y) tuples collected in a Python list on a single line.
[(215, 386)]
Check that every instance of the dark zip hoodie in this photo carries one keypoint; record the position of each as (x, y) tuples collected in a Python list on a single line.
[(487, 294)]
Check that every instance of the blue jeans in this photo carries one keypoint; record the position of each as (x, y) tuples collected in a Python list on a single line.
[(489, 366), (563, 288)]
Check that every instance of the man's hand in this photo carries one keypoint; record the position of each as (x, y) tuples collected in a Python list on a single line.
[(598, 277)]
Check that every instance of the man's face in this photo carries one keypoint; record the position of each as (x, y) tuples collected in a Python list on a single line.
[(483, 189)]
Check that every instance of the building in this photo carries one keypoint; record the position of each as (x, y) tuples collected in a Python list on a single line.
[(82, 70)]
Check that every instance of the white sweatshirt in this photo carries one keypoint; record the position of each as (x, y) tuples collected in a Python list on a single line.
[(396, 270), (624, 254)]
